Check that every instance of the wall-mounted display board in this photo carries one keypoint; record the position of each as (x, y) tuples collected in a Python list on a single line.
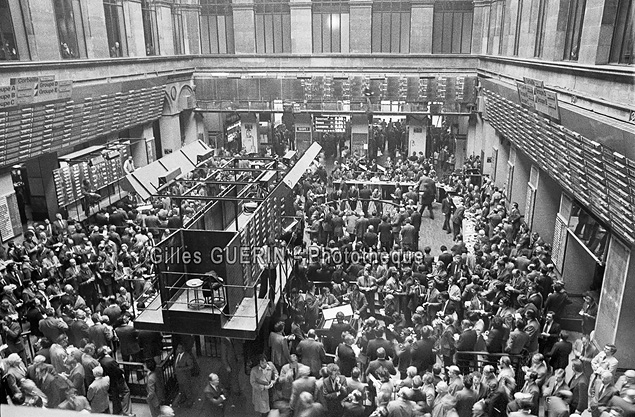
[(337, 87), (600, 179), (26, 132)]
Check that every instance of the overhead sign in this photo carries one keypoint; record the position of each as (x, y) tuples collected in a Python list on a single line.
[(532, 95), (32, 90)]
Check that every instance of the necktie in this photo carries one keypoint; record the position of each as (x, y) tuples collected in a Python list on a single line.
[(294, 373), (178, 359)]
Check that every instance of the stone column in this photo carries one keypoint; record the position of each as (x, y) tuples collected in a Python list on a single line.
[(134, 28), (244, 26), (301, 27), (479, 26), (164, 23), (597, 31), (360, 26), (421, 18)]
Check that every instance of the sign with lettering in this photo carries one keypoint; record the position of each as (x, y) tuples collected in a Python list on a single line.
[(532, 95), (8, 96)]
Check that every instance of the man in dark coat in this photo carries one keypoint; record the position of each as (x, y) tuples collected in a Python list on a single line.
[(312, 353), (423, 356), (129, 341), (119, 391), (579, 386), (559, 354), (466, 342), (447, 208)]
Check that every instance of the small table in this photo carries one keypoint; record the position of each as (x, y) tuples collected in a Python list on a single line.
[(194, 285)]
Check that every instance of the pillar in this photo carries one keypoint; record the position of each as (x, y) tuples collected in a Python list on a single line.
[(301, 24), (360, 25), (96, 37), (166, 31), (245, 26), (42, 185), (191, 27), (546, 206), (615, 322), (134, 28), (522, 167), (555, 25), (421, 17), (597, 31), (417, 131), (189, 126), (170, 133), (249, 132), (303, 132), (45, 45), (359, 134), (479, 26)]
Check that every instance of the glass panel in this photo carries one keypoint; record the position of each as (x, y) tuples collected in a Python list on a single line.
[(260, 34), (385, 32), (286, 32), (375, 42), (277, 33), (395, 35), (405, 33), (457, 27), (222, 35), (213, 34), (8, 49), (269, 33), (326, 33), (466, 36), (317, 32), (437, 33), (447, 33), (229, 33), (336, 30), (66, 28), (205, 35)]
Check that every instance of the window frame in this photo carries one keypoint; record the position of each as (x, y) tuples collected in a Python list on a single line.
[(620, 37), (332, 11), (118, 26), (386, 11), (447, 13), (573, 30), (272, 26), (149, 17), (215, 13)]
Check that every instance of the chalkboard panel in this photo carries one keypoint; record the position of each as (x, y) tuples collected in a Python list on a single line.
[(612, 292)]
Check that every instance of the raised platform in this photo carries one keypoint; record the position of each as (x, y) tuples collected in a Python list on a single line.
[(244, 320)]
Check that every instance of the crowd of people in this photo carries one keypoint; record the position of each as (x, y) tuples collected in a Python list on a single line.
[(474, 331), (68, 298)]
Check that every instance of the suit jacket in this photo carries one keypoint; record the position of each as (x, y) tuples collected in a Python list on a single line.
[(300, 385), (52, 327), (312, 353), (97, 334), (279, 349), (601, 398), (549, 389), (579, 386), (98, 394), (77, 330), (465, 399), (559, 355), (111, 369), (546, 343), (183, 366), (422, 356), (156, 389), (334, 392), (517, 341), (128, 339), (467, 340), (373, 366)]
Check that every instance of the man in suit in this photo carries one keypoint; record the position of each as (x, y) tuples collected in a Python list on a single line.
[(557, 405), (279, 345), (557, 300), (289, 373), (155, 388), (559, 354), (466, 397), (129, 340), (533, 330), (59, 226), (379, 342), (183, 366), (550, 333), (380, 362), (303, 383), (466, 342), (385, 234), (408, 236), (445, 256), (334, 390), (555, 383), (98, 390), (215, 397), (312, 352), (119, 391), (423, 356), (603, 390), (52, 327), (447, 208), (579, 386)]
